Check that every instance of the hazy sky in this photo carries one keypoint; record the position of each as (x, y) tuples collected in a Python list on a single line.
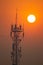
[(32, 48)]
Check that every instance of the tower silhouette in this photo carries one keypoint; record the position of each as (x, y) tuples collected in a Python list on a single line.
[(17, 35)]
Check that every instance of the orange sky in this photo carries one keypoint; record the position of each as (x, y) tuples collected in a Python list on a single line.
[(33, 32)]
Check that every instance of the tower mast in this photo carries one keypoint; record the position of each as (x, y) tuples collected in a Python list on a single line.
[(17, 34)]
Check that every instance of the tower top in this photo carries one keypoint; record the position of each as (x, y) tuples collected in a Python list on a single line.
[(16, 16)]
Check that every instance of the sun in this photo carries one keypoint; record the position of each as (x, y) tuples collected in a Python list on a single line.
[(31, 18)]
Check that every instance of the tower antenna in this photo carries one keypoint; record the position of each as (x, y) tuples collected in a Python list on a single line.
[(16, 16)]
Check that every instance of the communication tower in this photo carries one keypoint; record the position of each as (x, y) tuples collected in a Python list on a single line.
[(17, 35)]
